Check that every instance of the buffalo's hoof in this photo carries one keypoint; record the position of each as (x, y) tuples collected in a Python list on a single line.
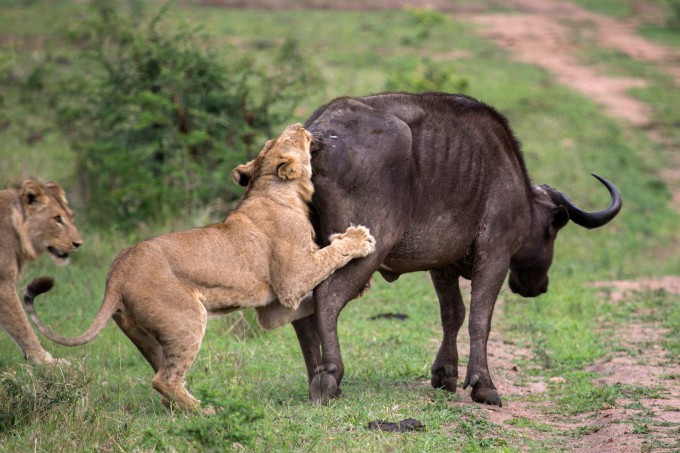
[(324, 387), (482, 392), (444, 378), (486, 396)]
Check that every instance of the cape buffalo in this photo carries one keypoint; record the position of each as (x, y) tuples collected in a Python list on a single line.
[(440, 181)]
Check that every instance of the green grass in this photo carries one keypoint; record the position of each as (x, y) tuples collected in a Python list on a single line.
[(257, 379), (523, 422), (615, 8), (667, 35)]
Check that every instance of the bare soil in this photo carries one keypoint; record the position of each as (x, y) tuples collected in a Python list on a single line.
[(635, 359), (546, 33), (543, 34)]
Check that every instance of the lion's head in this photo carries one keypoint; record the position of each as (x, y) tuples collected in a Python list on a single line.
[(285, 158), (44, 221)]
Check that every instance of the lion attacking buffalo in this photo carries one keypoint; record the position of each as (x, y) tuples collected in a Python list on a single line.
[(161, 292)]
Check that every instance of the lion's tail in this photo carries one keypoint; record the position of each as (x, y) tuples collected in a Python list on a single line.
[(43, 284)]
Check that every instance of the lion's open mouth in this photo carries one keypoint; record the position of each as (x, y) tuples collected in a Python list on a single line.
[(57, 253)]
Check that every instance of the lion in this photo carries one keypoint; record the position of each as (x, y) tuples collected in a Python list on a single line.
[(34, 218), (161, 291)]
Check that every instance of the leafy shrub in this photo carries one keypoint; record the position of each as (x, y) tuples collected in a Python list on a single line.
[(674, 19), (156, 119), (422, 21), (427, 76)]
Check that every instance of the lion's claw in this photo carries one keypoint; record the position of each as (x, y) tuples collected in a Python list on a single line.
[(360, 241)]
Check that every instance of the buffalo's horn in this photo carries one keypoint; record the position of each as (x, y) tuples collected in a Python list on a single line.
[(590, 219)]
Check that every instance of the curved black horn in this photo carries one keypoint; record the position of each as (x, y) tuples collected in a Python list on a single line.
[(591, 219)]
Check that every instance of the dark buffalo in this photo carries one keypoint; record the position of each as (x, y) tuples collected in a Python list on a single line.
[(440, 181)]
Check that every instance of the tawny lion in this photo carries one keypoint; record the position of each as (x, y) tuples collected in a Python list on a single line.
[(160, 292), (34, 218)]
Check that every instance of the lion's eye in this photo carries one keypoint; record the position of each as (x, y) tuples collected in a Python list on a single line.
[(58, 219)]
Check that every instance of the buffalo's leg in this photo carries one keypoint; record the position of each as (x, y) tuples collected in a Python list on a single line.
[(325, 383), (329, 299), (486, 284), (310, 344), (360, 177), (444, 373)]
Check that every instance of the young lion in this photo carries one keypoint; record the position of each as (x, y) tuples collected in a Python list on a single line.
[(161, 291), (34, 218)]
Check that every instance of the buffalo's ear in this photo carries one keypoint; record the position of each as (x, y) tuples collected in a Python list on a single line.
[(243, 174), (560, 217), (289, 167), (32, 193)]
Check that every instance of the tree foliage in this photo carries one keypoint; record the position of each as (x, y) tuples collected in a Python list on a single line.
[(157, 119)]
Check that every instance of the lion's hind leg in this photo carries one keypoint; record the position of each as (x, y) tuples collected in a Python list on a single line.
[(180, 340), (169, 379), (147, 344)]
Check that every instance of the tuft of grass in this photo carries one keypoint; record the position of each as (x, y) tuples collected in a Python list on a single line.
[(29, 394), (523, 422), (234, 420), (615, 8), (578, 394)]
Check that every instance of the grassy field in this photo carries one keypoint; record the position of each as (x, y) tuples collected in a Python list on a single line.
[(105, 400)]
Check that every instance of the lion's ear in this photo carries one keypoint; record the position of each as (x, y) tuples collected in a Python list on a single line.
[(57, 191), (242, 174), (289, 167), (32, 193)]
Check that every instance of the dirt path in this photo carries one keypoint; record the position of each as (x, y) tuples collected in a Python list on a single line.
[(546, 33), (543, 34), (635, 360)]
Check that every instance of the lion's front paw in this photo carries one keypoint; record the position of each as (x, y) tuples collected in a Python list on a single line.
[(357, 240)]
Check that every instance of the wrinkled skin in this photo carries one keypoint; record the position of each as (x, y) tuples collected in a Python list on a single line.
[(440, 182)]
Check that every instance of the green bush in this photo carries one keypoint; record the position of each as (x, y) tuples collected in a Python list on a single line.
[(427, 76), (156, 119), (422, 21), (674, 19)]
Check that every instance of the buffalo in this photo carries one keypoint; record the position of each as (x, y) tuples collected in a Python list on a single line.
[(440, 181)]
